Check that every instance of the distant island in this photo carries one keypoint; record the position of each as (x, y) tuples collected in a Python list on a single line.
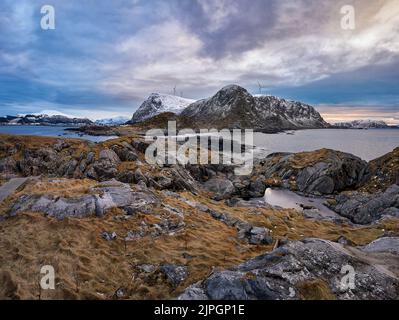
[(362, 124), (232, 107), (44, 119)]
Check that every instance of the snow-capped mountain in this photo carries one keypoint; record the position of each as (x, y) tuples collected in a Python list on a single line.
[(44, 119), (159, 103), (235, 107), (362, 124), (112, 121)]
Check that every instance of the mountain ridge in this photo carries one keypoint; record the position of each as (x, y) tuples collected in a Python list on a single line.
[(234, 107), (43, 119), (362, 124), (158, 103)]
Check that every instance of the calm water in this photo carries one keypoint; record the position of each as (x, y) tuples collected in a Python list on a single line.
[(366, 144), (290, 200), (51, 131)]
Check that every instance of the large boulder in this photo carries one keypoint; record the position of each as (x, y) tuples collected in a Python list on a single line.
[(106, 195), (386, 244), (364, 208), (42, 161), (308, 269), (318, 172), (221, 187), (57, 207)]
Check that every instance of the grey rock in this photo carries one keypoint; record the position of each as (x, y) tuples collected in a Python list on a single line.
[(126, 177), (390, 244), (174, 273), (71, 168), (110, 155), (333, 172), (279, 275), (147, 268), (105, 169), (139, 176), (258, 235), (109, 236), (193, 292), (61, 145), (120, 293), (140, 145), (251, 203), (233, 285), (223, 188), (90, 157), (182, 180), (257, 188), (364, 208), (91, 173), (59, 208), (135, 235), (125, 153), (106, 195), (392, 211), (8, 165)]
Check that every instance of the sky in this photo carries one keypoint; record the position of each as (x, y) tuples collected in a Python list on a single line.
[(105, 57)]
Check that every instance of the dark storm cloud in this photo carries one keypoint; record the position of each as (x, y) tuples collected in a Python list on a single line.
[(245, 25), (108, 56)]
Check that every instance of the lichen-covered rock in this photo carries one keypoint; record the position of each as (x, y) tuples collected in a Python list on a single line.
[(59, 208), (175, 274), (110, 194), (283, 273)]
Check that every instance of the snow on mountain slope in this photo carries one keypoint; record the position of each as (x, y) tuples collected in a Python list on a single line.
[(362, 124), (113, 121), (235, 107), (44, 119), (159, 103)]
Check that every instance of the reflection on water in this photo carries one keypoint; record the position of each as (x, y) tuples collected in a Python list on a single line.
[(51, 131), (290, 200)]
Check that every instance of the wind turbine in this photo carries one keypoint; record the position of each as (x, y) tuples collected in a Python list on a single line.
[(174, 90), (260, 87)]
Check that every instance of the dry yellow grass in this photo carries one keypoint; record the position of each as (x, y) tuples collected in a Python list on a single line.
[(88, 267), (315, 290), (306, 159)]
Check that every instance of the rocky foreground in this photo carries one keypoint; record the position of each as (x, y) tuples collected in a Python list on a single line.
[(115, 227)]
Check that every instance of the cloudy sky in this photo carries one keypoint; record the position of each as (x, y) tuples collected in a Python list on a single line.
[(105, 57)]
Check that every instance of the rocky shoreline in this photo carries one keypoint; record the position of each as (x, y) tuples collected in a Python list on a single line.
[(160, 219)]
